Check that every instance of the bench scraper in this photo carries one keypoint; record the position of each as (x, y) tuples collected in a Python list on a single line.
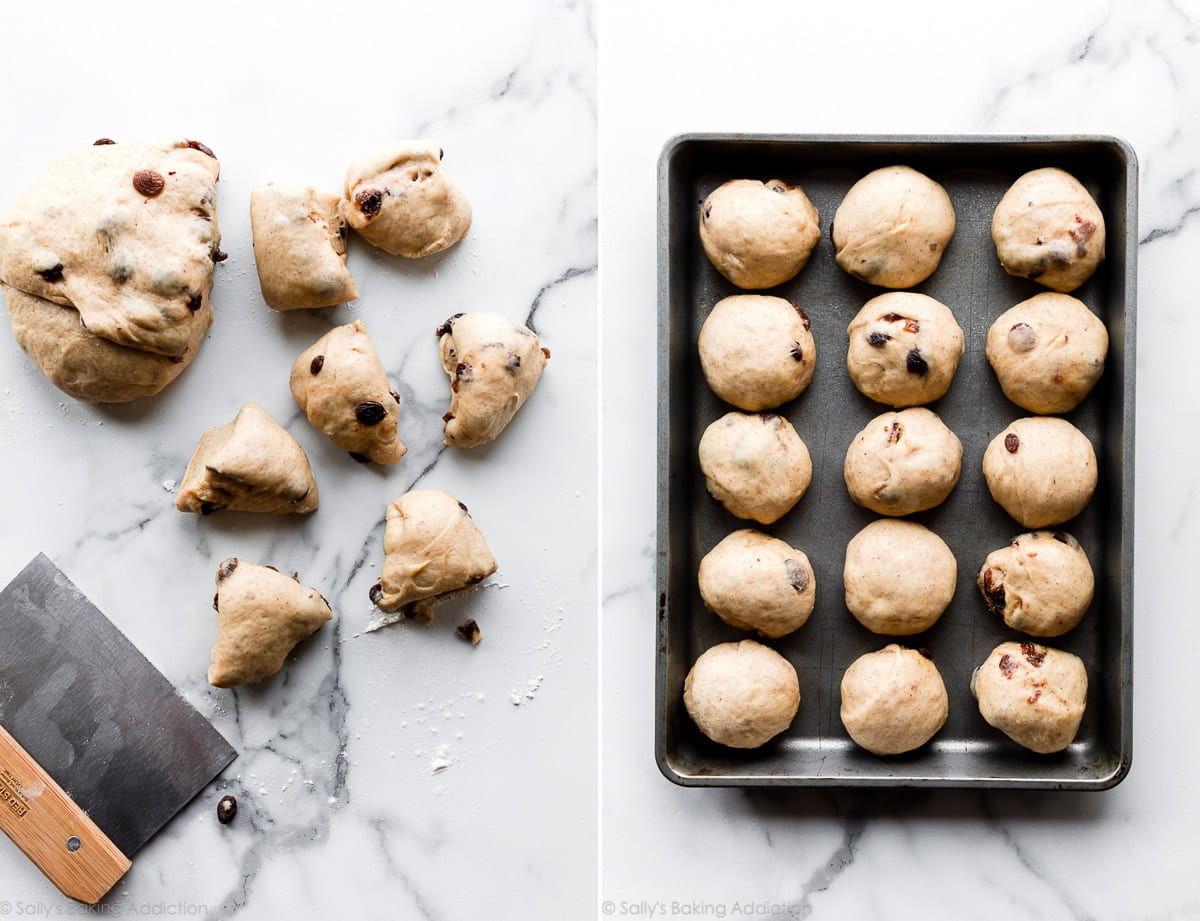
[(97, 749)]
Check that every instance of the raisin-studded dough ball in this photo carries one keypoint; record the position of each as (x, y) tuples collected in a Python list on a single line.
[(1048, 228), (899, 577), (1041, 583), (904, 349), (755, 465), (400, 199), (742, 694), (756, 582), (758, 234), (1047, 352), (757, 351), (893, 700), (903, 462), (1035, 695), (892, 227), (1041, 469)]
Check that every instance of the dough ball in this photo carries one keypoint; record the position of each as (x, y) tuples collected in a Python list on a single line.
[(758, 234), (261, 616), (433, 550), (742, 694), (892, 227), (893, 700), (757, 351), (401, 200), (903, 462), (341, 385), (904, 349), (756, 582), (126, 235), (899, 577), (1049, 229), (85, 366), (1041, 583), (494, 364), (299, 246), (1047, 352), (755, 465), (1042, 470), (1035, 695), (250, 464)]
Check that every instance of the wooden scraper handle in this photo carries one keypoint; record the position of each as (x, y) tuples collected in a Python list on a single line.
[(53, 832)]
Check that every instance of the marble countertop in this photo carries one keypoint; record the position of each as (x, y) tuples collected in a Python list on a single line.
[(401, 773), (1121, 68)]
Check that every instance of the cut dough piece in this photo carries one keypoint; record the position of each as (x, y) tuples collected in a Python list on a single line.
[(126, 234), (1048, 228), (1041, 583), (261, 616), (493, 364), (758, 234), (755, 465), (893, 700), (1035, 695), (83, 365), (250, 464), (903, 462), (899, 577), (401, 200), (756, 582), (432, 550), (1041, 469), (340, 383), (299, 246), (742, 694)]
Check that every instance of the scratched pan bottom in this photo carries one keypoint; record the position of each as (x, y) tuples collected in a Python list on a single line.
[(976, 171)]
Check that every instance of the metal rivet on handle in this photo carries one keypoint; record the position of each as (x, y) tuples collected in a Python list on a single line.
[(74, 844)]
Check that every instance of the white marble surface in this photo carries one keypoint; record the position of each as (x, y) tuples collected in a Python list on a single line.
[(341, 812), (1131, 69)]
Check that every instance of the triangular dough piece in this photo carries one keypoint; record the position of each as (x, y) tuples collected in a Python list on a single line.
[(124, 233), (251, 464), (494, 364), (261, 615), (432, 550), (340, 383)]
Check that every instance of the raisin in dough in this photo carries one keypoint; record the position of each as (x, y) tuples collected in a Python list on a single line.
[(125, 235), (1041, 469), (1048, 228), (892, 227), (903, 462), (401, 200), (757, 351), (1035, 695), (758, 234), (261, 616), (494, 364), (1041, 583), (86, 367), (433, 550), (893, 700), (742, 694), (755, 465), (904, 349), (899, 577), (341, 385), (1047, 352), (250, 464), (299, 246), (756, 582)]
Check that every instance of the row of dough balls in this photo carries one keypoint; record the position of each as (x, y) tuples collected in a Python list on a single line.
[(1040, 469), (757, 351), (899, 577), (433, 550), (893, 700), (893, 226)]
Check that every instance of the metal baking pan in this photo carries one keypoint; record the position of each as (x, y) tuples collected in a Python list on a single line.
[(816, 751)]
